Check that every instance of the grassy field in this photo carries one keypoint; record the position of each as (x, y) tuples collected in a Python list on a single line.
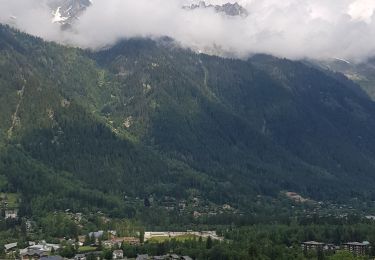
[(178, 238), (84, 249), (12, 199)]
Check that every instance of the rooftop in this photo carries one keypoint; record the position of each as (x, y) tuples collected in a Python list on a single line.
[(312, 243), (364, 243), (10, 246)]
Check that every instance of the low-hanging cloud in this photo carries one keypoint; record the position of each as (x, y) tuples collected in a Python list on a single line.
[(289, 28)]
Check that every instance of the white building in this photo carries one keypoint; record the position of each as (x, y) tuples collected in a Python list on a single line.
[(11, 214), (118, 254)]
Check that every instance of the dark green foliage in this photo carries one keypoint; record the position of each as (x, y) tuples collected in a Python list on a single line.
[(209, 243)]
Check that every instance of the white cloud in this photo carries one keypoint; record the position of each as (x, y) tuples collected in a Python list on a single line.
[(288, 28), (31, 16), (362, 10)]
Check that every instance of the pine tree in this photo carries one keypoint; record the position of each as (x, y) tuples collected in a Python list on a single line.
[(209, 243)]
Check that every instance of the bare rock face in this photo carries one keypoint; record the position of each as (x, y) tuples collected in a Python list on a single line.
[(66, 12), (228, 9)]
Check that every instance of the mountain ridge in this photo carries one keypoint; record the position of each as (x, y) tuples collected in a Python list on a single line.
[(230, 9)]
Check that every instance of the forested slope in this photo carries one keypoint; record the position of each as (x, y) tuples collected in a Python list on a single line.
[(83, 129)]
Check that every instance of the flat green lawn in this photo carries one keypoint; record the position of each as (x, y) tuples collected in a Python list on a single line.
[(12, 199), (165, 238), (84, 249)]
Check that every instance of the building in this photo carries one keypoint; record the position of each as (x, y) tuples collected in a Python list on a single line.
[(312, 245), (163, 257), (10, 247), (53, 257), (330, 247), (33, 254), (142, 257), (130, 240), (108, 244), (118, 254), (119, 240), (370, 217), (11, 214), (112, 233), (318, 246), (97, 234), (357, 248), (43, 246), (80, 257), (37, 251)]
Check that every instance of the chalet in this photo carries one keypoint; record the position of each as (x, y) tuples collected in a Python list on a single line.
[(130, 240), (37, 251), (81, 239), (77, 217), (43, 246), (227, 207), (113, 242), (10, 247), (117, 241), (357, 248), (97, 234), (118, 254), (33, 254), (112, 233), (11, 214), (108, 243)]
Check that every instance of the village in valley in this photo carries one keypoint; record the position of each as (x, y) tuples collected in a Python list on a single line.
[(108, 244), (116, 243), (101, 245), (91, 246)]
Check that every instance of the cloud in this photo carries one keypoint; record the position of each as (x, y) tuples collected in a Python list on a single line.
[(31, 16), (289, 28), (362, 10)]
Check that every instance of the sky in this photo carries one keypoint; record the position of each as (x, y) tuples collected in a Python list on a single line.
[(293, 29)]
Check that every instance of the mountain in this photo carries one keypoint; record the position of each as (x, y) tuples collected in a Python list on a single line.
[(66, 11), (230, 9), (98, 130), (362, 73)]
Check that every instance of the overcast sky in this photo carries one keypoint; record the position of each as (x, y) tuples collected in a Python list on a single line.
[(286, 28)]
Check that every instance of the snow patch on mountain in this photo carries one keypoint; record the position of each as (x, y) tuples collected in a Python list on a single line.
[(67, 11), (57, 17)]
